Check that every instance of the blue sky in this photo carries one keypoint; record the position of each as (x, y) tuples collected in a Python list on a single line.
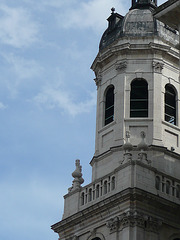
[(47, 106)]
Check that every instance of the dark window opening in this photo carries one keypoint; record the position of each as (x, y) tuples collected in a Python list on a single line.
[(157, 182), (105, 187), (82, 199), (178, 191), (113, 183), (168, 187), (97, 191), (109, 106), (170, 105), (139, 98)]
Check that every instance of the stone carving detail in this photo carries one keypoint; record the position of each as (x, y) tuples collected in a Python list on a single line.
[(75, 237), (77, 175), (113, 224), (143, 147), (93, 233), (158, 66), (71, 238), (133, 218), (127, 148), (98, 79), (121, 66)]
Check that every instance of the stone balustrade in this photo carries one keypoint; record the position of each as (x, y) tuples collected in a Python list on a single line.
[(98, 189)]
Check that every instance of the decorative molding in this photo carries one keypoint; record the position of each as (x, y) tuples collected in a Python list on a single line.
[(158, 66), (113, 224), (98, 79), (93, 232), (75, 237), (139, 75), (121, 66), (133, 218)]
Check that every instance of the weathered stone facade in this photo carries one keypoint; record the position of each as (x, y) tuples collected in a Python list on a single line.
[(135, 188)]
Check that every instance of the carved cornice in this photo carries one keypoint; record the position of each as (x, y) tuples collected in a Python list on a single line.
[(118, 49), (133, 218)]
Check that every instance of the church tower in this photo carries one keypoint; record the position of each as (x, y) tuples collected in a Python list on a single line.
[(135, 188)]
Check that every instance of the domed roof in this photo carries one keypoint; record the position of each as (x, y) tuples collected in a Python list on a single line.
[(138, 22)]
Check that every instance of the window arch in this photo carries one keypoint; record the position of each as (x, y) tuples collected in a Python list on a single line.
[(109, 105), (139, 98), (82, 198), (97, 191), (113, 183), (168, 187), (178, 191), (105, 187), (170, 104), (157, 182), (90, 195)]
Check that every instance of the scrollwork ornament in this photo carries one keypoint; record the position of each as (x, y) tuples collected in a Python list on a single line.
[(121, 66), (113, 224), (158, 66)]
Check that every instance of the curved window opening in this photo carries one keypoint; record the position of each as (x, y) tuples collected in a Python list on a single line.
[(170, 104), (96, 238), (105, 187), (157, 183), (113, 183), (178, 191), (97, 191), (82, 199), (139, 98), (167, 187), (90, 195), (109, 105)]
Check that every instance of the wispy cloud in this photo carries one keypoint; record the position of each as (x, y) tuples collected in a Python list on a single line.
[(89, 14), (22, 67), (58, 98), (17, 27), (21, 72), (2, 106)]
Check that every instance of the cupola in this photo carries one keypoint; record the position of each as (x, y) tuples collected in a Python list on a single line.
[(144, 4)]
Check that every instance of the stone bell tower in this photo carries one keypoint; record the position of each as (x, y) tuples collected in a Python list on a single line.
[(135, 188)]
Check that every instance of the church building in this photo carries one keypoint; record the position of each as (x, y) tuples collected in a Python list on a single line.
[(135, 189)]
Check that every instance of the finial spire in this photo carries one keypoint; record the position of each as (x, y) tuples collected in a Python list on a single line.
[(113, 10), (77, 175)]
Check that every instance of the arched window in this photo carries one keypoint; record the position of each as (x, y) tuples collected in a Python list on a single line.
[(97, 191), (90, 195), (178, 191), (82, 198), (113, 183), (139, 98), (168, 187), (157, 182), (109, 105), (105, 187), (170, 104)]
